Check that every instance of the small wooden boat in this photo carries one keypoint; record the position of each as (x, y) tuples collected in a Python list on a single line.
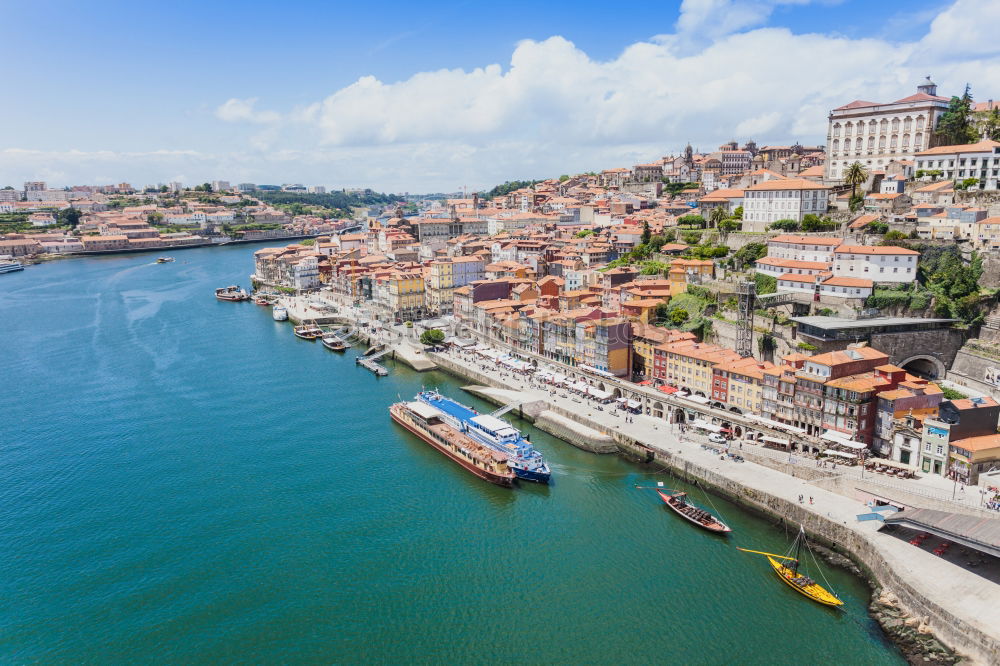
[(682, 507), (261, 300), (164, 260), (231, 293), (334, 343), (787, 567), (308, 332)]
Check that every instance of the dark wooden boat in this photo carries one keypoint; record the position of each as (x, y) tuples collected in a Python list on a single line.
[(333, 343), (703, 519)]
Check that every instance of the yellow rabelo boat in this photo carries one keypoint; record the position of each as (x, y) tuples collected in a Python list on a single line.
[(794, 578)]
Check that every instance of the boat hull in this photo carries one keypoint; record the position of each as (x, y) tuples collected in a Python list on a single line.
[(717, 527), (815, 591), (535, 477), (498, 479)]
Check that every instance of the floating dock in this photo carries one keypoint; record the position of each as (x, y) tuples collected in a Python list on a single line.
[(376, 367)]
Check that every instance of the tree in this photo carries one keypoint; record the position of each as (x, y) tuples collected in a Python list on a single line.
[(646, 233), (432, 337), (892, 236), (877, 227), (69, 217), (691, 221), (784, 225), (766, 284), (717, 215), (727, 226), (563, 178), (583, 233), (749, 253), (854, 175), (990, 124), (154, 219), (955, 126), (738, 213), (679, 316), (812, 222), (855, 203), (163, 189)]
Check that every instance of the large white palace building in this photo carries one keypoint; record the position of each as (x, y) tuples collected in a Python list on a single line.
[(875, 134)]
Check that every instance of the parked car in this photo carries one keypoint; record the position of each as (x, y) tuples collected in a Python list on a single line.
[(717, 438)]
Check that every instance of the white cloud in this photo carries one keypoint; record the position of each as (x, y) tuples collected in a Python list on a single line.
[(553, 109), (236, 110)]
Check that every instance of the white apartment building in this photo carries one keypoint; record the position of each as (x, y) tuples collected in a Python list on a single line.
[(221, 186), (803, 248), (876, 263), (876, 133), (782, 199), (956, 163), (316, 189)]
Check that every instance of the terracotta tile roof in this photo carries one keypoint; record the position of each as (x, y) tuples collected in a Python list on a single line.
[(856, 104), (793, 263), (847, 282), (806, 240), (985, 146), (787, 184), (874, 250)]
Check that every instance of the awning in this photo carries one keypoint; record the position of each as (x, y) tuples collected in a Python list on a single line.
[(841, 438), (831, 452), (773, 424), (667, 389), (580, 386), (705, 425), (598, 393), (851, 445), (893, 463), (697, 398), (632, 404), (775, 440), (645, 382)]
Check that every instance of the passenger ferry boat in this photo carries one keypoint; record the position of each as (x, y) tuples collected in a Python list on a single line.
[(279, 313), (231, 293), (334, 343), (308, 331), (500, 436), (431, 425), (11, 266)]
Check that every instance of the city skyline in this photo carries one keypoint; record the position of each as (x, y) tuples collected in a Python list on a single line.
[(449, 96)]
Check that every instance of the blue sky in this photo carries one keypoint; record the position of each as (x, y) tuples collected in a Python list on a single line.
[(401, 96)]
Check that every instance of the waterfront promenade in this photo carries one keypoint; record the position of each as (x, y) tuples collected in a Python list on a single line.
[(968, 595)]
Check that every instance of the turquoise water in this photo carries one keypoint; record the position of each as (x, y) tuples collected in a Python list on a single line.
[(182, 480)]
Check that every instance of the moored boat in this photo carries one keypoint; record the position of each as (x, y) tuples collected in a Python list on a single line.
[(522, 458), (261, 300), (11, 266), (279, 313), (232, 293), (308, 331), (334, 343), (789, 569), (678, 501), (429, 424)]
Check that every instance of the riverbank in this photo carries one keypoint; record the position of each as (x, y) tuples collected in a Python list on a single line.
[(921, 600)]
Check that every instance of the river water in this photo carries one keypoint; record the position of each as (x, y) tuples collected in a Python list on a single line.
[(182, 480)]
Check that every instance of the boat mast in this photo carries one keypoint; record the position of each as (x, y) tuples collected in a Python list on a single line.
[(798, 548)]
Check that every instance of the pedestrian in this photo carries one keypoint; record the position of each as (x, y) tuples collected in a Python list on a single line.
[(800, 499), (810, 499)]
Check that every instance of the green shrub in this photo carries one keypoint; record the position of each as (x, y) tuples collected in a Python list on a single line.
[(805, 346)]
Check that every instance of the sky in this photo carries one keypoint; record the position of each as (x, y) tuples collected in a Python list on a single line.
[(434, 96)]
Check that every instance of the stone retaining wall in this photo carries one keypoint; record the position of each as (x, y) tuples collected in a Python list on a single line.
[(839, 537)]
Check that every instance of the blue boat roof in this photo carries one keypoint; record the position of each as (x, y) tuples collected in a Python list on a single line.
[(452, 408)]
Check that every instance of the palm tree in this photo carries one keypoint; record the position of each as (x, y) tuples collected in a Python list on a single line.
[(855, 175), (717, 215)]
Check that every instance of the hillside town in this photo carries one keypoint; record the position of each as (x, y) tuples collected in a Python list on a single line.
[(801, 284)]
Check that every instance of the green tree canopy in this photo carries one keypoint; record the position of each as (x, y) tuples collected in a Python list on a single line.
[(432, 337), (955, 126), (855, 174), (69, 217), (784, 225), (646, 233), (691, 221), (679, 316)]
